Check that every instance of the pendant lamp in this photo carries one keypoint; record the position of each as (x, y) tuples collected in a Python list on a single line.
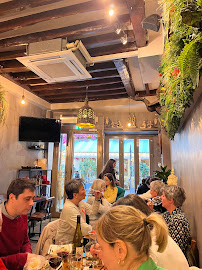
[(86, 115)]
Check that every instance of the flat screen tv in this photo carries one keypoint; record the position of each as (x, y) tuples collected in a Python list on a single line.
[(34, 129)]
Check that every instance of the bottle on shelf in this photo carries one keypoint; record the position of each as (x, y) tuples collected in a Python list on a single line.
[(78, 238)]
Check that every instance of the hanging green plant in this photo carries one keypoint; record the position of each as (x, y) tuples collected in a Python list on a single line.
[(3, 106), (181, 61)]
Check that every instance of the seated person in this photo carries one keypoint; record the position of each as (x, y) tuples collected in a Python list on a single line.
[(143, 188), (124, 238), (98, 184), (111, 190), (15, 247), (178, 261), (178, 225), (156, 191), (147, 195), (73, 207)]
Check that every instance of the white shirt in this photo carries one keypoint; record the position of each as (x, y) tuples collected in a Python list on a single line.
[(68, 219)]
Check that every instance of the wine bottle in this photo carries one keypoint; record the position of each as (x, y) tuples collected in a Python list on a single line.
[(78, 238)]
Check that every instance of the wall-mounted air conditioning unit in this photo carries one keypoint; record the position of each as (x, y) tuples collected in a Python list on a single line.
[(54, 63)]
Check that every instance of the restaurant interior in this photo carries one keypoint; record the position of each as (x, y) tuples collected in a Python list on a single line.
[(59, 59)]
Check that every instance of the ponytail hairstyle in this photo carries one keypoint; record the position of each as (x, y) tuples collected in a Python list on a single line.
[(111, 178), (108, 167), (132, 226)]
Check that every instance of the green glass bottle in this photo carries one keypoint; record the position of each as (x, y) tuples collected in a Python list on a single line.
[(78, 238)]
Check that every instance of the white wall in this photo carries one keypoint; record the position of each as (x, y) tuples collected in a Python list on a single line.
[(14, 154), (186, 156)]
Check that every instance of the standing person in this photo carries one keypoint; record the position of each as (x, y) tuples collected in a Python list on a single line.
[(73, 207), (98, 184), (15, 247), (108, 168), (178, 225), (124, 237), (111, 190)]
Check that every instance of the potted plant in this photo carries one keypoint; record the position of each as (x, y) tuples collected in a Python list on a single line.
[(163, 174)]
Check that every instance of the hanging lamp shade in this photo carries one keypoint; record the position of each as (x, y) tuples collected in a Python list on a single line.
[(86, 116)]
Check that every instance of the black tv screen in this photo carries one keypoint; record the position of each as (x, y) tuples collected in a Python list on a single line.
[(34, 129)]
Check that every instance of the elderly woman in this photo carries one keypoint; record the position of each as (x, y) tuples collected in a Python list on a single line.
[(155, 203), (178, 261), (99, 185), (178, 225), (124, 236)]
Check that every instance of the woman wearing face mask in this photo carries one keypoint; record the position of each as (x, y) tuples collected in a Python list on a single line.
[(124, 238), (111, 190), (99, 185)]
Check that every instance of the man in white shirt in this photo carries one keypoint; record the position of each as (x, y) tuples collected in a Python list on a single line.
[(73, 207)]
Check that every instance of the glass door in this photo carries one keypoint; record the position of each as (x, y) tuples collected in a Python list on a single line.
[(134, 155), (85, 158)]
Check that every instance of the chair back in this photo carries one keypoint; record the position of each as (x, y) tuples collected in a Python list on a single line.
[(48, 204), (32, 210)]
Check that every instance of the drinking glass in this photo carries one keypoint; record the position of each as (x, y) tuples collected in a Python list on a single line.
[(91, 260), (55, 261), (76, 262)]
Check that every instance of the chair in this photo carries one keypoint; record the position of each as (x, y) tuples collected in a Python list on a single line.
[(42, 215), (121, 192), (192, 253), (47, 238)]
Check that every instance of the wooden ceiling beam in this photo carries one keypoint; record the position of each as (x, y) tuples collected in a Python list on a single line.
[(25, 75), (13, 69), (65, 32), (91, 89), (90, 99), (124, 73), (78, 84), (101, 66), (11, 55), (90, 95), (147, 89), (54, 14), (32, 82), (22, 5), (113, 49), (137, 14)]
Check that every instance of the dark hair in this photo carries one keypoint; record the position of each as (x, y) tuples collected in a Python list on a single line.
[(135, 201), (73, 187), (108, 167), (151, 179), (111, 178), (18, 186)]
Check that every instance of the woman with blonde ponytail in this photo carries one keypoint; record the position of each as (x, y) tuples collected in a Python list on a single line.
[(124, 237)]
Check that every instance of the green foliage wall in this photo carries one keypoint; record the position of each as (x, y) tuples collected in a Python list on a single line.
[(181, 61)]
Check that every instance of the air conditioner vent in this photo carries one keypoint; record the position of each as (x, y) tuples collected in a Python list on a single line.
[(59, 66)]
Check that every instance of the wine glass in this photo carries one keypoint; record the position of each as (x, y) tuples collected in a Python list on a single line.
[(91, 260), (55, 261)]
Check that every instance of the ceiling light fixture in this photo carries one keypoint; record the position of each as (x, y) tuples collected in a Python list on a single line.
[(124, 38), (111, 12), (23, 99), (86, 115)]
